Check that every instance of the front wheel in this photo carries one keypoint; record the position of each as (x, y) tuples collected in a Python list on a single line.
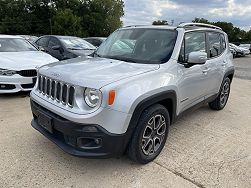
[(220, 102), (150, 135)]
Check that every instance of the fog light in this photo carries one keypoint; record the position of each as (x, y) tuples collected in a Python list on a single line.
[(89, 143), (90, 129)]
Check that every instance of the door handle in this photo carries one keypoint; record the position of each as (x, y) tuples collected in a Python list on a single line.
[(206, 70), (224, 63)]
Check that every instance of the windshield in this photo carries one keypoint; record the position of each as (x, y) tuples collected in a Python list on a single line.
[(15, 45), (74, 43), (139, 45)]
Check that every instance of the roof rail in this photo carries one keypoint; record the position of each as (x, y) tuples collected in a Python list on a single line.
[(199, 25), (133, 26)]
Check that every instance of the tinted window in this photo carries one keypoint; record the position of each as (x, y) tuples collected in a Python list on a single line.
[(75, 43), (96, 42), (214, 44), (223, 43), (140, 45), (193, 42), (53, 42), (15, 45), (43, 41)]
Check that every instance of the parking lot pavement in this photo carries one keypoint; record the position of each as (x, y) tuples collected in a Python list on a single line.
[(205, 149), (243, 67)]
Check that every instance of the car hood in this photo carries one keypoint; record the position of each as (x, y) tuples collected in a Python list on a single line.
[(82, 52), (94, 72), (24, 60)]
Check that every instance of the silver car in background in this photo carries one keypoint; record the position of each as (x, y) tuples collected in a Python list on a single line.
[(248, 46), (240, 51)]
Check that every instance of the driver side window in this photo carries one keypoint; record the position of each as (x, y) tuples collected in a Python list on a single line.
[(53, 42), (193, 42)]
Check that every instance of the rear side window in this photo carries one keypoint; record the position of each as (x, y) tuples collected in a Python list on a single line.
[(214, 44), (97, 42), (223, 43), (43, 41), (193, 42)]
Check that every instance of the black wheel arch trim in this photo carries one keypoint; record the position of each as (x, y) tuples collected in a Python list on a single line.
[(228, 73), (145, 103)]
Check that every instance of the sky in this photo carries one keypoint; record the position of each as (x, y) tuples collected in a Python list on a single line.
[(144, 12)]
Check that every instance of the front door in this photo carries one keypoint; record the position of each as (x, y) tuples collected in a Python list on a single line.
[(193, 79)]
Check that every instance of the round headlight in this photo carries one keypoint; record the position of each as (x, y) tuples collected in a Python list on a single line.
[(92, 97)]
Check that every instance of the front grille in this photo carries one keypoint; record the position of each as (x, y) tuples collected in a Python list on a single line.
[(56, 90), (27, 73)]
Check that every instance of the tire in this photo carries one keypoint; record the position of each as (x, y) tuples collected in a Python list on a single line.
[(147, 134), (220, 102)]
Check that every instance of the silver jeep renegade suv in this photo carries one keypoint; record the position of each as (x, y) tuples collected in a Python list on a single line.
[(124, 98)]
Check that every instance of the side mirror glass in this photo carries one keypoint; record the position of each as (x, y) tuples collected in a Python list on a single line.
[(197, 57)]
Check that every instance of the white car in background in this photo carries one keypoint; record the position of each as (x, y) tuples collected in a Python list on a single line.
[(248, 46), (19, 61), (240, 51)]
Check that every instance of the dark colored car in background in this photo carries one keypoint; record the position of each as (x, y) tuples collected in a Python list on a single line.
[(64, 47), (95, 41)]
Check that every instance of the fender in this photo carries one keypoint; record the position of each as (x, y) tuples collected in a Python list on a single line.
[(147, 102), (229, 72)]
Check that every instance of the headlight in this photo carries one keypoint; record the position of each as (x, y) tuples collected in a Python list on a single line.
[(92, 97), (5, 72)]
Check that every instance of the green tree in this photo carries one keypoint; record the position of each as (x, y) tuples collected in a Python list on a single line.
[(72, 17), (235, 34), (102, 17), (160, 22), (66, 23), (201, 20)]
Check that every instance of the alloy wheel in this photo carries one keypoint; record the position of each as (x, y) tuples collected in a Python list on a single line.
[(224, 94), (153, 135)]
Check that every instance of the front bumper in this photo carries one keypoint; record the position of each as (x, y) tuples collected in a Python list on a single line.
[(16, 83), (66, 134)]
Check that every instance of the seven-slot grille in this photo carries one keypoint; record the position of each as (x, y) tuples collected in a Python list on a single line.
[(28, 73), (61, 92)]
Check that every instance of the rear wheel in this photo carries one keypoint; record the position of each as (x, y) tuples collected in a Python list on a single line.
[(150, 135), (220, 102)]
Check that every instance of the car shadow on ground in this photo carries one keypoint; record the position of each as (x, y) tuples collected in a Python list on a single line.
[(21, 94), (48, 148)]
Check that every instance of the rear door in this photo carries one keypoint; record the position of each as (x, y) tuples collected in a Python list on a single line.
[(215, 49)]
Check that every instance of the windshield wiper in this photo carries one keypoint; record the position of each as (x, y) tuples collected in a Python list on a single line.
[(96, 54), (75, 48), (81, 49), (122, 59)]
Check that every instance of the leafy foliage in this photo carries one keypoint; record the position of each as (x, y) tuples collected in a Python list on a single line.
[(160, 22), (64, 17), (235, 34)]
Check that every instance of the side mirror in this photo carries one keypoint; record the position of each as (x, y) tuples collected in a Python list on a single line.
[(57, 47), (197, 57), (40, 48)]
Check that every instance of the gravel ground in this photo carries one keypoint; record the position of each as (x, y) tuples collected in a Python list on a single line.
[(204, 149)]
